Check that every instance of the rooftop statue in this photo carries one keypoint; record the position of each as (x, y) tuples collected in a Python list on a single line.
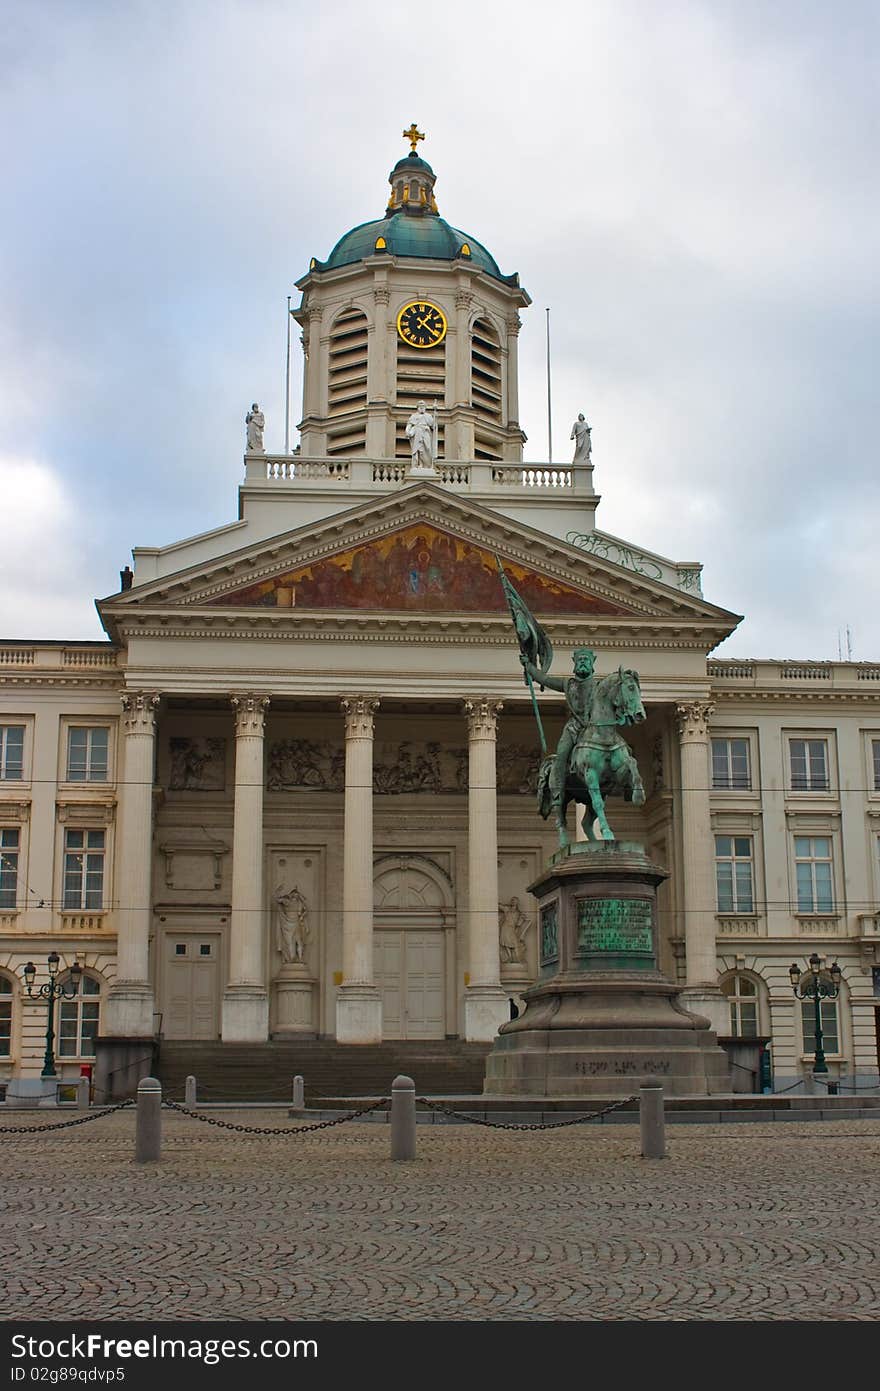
[(255, 422), (580, 433), (592, 760)]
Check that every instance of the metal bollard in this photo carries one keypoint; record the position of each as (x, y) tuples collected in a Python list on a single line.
[(191, 1095), (403, 1118), (83, 1088), (652, 1120), (298, 1093), (148, 1129)]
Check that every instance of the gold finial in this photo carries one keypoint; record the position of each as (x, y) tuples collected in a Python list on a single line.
[(413, 135)]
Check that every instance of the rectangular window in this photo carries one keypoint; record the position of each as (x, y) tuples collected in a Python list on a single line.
[(830, 1033), (5, 1017), (815, 879), (87, 753), (730, 763), (875, 750), (11, 752), (733, 874), (809, 765), (83, 869), (9, 841)]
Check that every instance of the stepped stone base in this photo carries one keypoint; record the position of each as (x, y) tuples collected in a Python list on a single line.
[(603, 1018)]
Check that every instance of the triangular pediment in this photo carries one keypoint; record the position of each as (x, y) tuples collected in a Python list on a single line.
[(417, 555), (421, 568)]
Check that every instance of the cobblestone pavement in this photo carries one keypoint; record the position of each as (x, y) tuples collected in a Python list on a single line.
[(748, 1222)]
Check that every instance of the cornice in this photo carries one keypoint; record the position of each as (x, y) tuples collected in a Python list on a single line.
[(113, 681), (481, 630), (789, 696)]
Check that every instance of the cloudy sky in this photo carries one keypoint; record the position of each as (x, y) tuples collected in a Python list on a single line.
[(691, 187)]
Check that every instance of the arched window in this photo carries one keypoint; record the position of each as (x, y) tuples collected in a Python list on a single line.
[(347, 382), (485, 387), (742, 998), (5, 1017), (80, 1016)]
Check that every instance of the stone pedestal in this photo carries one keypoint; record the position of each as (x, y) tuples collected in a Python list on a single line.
[(294, 1008), (602, 1017)]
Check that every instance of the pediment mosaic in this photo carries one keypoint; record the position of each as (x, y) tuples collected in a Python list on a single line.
[(417, 567)]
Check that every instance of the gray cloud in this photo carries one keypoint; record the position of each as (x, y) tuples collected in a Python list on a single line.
[(689, 186)]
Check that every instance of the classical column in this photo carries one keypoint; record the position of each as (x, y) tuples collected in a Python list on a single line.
[(486, 1005), (129, 1009), (358, 1003), (514, 323), (245, 1000), (701, 994)]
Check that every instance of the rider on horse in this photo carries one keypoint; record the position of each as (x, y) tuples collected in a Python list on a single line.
[(579, 691)]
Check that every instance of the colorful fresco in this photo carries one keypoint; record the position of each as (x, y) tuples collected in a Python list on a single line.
[(417, 568)]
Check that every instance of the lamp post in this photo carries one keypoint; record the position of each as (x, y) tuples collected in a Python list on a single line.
[(51, 991), (816, 985)]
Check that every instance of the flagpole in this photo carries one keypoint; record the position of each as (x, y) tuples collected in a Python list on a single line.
[(549, 415), (287, 387), (526, 675)]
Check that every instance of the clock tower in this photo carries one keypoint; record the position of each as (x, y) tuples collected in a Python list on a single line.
[(406, 309)]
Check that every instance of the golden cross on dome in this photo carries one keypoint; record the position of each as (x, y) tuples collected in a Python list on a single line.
[(413, 135)]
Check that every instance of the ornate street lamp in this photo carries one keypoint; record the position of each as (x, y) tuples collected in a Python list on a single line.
[(51, 991), (816, 985)]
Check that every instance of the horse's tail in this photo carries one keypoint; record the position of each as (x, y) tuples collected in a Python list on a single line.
[(545, 797)]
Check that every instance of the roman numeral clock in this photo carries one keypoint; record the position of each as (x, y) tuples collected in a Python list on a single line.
[(421, 324)]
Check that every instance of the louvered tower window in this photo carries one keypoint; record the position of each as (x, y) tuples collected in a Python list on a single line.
[(485, 388), (347, 383), (421, 376)]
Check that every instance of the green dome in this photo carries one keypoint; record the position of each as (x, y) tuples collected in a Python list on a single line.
[(427, 237)]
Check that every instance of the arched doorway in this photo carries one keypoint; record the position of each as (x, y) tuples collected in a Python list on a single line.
[(413, 922)]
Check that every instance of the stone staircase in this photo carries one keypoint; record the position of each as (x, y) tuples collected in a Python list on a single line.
[(265, 1071)]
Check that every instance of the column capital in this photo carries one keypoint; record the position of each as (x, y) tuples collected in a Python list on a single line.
[(250, 712), (358, 712), (463, 299), (693, 718), (514, 324), (381, 294), (139, 711), (482, 716)]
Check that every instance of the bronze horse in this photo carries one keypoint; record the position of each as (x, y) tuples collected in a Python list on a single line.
[(601, 763)]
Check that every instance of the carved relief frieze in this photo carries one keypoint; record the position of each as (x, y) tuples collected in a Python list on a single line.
[(411, 766), (197, 764)]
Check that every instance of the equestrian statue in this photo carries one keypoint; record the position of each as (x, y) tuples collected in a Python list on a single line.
[(592, 760)]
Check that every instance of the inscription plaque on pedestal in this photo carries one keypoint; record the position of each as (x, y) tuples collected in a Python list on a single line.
[(615, 932)]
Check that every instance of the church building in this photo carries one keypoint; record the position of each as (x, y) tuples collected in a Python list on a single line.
[(292, 795)]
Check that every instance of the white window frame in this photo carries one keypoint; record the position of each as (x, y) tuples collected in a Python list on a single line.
[(5, 729), (86, 850), (807, 737), (10, 865), (735, 1002), (728, 737), (733, 859), (89, 778), (872, 763), (826, 1006), (813, 859), (74, 1008), (8, 994)]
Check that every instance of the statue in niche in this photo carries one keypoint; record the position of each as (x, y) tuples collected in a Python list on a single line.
[(293, 924), (580, 433), (512, 928), (420, 433), (255, 422)]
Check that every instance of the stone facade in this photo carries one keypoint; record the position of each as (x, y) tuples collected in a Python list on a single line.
[(293, 793)]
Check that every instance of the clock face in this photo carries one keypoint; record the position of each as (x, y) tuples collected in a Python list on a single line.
[(421, 324)]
